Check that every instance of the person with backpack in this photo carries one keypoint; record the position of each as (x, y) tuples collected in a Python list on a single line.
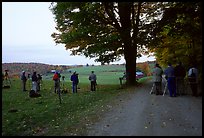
[(56, 79), (193, 79)]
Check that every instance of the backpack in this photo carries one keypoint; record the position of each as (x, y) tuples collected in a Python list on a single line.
[(33, 94), (55, 77)]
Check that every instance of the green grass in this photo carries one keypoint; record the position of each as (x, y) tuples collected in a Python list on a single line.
[(47, 117), (105, 74)]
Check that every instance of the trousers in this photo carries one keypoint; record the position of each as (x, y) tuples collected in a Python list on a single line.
[(172, 86)]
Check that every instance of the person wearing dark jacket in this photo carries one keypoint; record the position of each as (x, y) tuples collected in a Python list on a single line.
[(23, 79), (33, 92), (170, 75), (34, 81), (39, 80), (180, 74), (75, 80)]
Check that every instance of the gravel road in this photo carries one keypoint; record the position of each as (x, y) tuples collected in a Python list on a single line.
[(139, 113)]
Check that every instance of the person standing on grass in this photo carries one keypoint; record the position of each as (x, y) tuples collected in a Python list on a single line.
[(23, 79), (56, 79), (39, 82), (92, 78), (74, 79), (34, 81), (33, 92), (77, 81)]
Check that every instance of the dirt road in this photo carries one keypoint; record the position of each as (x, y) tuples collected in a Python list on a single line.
[(140, 114)]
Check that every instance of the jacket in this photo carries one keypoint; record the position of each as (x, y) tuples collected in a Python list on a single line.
[(157, 74)]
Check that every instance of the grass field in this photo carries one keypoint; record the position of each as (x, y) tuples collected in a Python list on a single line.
[(24, 116), (105, 74)]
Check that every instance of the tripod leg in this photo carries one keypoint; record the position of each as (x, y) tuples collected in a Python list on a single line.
[(152, 88), (165, 88)]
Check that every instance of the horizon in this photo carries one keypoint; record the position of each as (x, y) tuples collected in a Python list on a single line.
[(112, 63)]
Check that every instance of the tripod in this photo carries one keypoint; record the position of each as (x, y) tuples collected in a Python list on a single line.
[(165, 86), (6, 81)]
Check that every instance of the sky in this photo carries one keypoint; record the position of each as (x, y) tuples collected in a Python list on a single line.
[(26, 37)]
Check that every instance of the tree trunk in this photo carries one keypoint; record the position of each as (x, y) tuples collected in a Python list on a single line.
[(130, 59), (129, 49)]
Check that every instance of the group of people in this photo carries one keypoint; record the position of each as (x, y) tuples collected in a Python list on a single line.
[(75, 81), (35, 79), (175, 79)]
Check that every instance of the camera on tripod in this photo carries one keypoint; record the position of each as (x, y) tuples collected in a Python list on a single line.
[(6, 80)]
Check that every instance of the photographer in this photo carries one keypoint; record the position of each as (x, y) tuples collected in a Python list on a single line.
[(23, 79), (39, 79)]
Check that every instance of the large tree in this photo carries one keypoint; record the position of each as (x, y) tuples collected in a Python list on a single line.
[(106, 30)]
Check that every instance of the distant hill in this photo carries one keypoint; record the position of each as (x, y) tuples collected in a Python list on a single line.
[(15, 69)]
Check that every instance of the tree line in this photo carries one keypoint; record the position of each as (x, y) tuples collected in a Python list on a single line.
[(15, 69)]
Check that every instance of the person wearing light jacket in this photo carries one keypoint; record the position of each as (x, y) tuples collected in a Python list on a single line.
[(157, 79), (92, 78)]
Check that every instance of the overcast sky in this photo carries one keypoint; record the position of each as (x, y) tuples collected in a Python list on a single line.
[(26, 36)]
